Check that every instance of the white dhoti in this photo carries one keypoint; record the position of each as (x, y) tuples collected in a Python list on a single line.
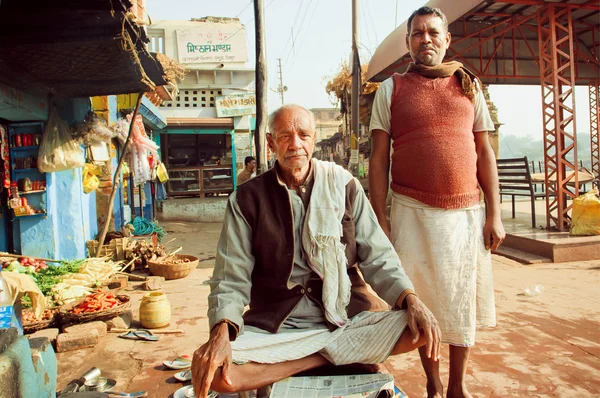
[(443, 254), (367, 338)]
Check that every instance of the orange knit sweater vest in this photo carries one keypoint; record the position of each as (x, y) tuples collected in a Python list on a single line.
[(434, 159)]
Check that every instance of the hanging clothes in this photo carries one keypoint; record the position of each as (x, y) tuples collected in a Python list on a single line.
[(5, 154)]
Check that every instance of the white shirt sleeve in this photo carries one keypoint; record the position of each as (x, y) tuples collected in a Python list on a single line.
[(483, 120), (381, 115), (231, 281)]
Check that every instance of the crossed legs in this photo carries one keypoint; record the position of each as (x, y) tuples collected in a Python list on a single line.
[(252, 375)]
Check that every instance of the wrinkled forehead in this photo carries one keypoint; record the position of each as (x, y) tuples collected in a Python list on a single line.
[(292, 120), (427, 22)]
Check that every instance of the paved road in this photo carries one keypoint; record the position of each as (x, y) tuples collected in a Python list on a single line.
[(544, 346)]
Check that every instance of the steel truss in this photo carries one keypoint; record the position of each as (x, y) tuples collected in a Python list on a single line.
[(594, 134), (557, 73)]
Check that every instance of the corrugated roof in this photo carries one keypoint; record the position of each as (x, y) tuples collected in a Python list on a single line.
[(76, 48), (199, 122)]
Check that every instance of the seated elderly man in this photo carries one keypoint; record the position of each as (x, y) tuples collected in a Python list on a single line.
[(290, 243)]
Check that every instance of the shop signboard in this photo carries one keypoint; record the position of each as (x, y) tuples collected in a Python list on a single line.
[(243, 147), (212, 43), (236, 105), (354, 156)]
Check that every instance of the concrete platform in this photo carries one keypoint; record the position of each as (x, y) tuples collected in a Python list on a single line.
[(554, 246), (211, 209)]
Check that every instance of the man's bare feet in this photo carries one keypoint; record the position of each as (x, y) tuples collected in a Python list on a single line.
[(435, 389), (458, 392)]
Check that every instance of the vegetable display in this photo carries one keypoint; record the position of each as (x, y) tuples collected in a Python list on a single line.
[(98, 301), (24, 265), (67, 282), (29, 317)]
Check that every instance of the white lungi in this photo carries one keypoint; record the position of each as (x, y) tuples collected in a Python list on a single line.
[(443, 254), (367, 338)]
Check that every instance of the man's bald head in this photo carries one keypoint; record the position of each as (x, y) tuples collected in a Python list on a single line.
[(287, 108)]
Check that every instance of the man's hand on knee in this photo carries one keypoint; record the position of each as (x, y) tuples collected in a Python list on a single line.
[(420, 318), (209, 358)]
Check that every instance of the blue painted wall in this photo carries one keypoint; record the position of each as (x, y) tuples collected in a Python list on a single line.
[(148, 215), (72, 214), (113, 114)]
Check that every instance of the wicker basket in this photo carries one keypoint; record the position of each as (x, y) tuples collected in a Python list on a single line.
[(173, 271), (33, 327), (68, 317)]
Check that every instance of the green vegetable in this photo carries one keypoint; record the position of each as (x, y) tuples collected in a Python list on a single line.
[(13, 266), (47, 278), (26, 301)]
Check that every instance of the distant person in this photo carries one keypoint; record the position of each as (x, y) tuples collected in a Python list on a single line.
[(248, 172), (435, 117)]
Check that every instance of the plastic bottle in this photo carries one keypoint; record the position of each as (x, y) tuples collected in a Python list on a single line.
[(6, 305)]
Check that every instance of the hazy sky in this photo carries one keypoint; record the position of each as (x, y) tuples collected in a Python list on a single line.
[(322, 41)]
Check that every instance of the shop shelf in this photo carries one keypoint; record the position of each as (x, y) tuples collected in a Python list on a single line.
[(25, 170), (31, 192), (32, 215), (24, 148)]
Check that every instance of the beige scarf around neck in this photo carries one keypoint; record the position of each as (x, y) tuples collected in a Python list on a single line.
[(447, 69)]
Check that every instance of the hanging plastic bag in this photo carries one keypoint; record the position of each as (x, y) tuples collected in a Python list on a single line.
[(161, 173), (58, 150), (90, 177), (586, 214)]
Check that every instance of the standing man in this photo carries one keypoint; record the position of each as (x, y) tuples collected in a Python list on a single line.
[(435, 118), (248, 172)]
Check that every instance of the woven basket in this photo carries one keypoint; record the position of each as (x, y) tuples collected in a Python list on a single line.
[(173, 271), (115, 249), (33, 327), (66, 316)]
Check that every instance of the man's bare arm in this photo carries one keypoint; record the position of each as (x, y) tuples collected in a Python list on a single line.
[(487, 175), (379, 168), (211, 356)]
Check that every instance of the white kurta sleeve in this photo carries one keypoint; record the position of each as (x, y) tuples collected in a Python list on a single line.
[(483, 120), (231, 281)]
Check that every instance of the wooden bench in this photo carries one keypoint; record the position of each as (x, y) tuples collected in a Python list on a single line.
[(515, 180)]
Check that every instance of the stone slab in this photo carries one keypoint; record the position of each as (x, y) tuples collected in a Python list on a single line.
[(100, 327), (50, 334), (77, 341)]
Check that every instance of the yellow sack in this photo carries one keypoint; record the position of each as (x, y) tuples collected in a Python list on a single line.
[(161, 173), (20, 284), (586, 214), (89, 177)]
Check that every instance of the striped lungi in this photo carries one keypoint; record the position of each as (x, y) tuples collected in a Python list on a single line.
[(367, 338), (443, 254)]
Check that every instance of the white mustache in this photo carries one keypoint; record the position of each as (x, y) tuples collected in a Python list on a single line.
[(296, 153)]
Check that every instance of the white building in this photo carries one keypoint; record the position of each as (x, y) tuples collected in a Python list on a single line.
[(211, 117)]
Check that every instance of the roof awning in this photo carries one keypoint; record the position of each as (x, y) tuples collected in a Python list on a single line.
[(393, 47), (76, 48), (200, 122), (498, 40)]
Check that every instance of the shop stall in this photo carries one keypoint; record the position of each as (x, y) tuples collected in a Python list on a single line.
[(199, 162)]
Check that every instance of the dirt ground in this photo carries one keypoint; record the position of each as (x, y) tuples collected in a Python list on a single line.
[(543, 346)]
